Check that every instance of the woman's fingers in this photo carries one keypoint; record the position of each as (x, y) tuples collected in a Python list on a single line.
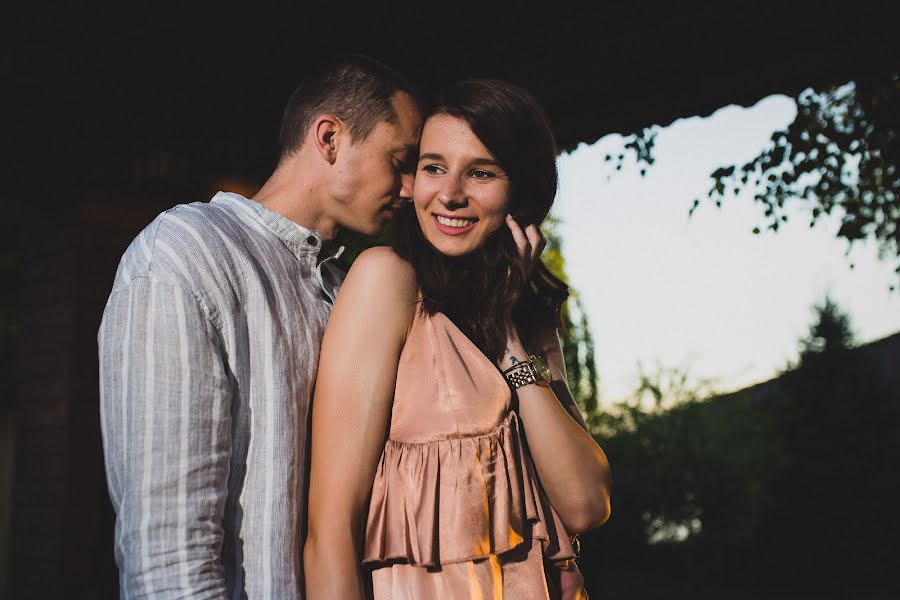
[(522, 242), (530, 242), (537, 241)]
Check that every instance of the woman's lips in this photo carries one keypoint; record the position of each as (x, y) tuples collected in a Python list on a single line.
[(450, 230)]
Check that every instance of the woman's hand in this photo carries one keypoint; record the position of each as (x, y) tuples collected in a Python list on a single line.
[(530, 242), (572, 468)]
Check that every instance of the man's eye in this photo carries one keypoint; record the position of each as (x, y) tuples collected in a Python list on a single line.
[(407, 166)]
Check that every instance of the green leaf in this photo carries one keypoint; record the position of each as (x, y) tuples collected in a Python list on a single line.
[(722, 172)]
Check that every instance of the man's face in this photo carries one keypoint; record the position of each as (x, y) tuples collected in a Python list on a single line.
[(375, 175)]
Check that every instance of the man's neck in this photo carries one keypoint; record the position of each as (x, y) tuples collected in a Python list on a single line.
[(289, 193)]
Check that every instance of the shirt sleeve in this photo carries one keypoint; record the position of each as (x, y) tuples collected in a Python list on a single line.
[(165, 409)]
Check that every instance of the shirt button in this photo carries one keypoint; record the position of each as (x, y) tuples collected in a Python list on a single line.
[(312, 241)]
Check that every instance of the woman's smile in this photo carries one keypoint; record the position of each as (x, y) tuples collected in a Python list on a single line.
[(461, 193), (454, 225)]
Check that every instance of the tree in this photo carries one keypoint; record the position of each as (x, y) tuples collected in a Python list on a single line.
[(576, 337), (692, 476), (830, 332), (839, 157), (838, 418)]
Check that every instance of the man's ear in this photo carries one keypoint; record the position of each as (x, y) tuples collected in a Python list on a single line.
[(325, 132)]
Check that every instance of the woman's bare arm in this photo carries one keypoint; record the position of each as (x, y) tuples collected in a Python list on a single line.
[(548, 346), (571, 466), (351, 410)]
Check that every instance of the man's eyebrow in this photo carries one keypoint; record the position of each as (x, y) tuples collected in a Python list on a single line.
[(405, 148)]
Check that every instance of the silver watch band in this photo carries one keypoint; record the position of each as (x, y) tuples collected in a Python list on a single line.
[(521, 374)]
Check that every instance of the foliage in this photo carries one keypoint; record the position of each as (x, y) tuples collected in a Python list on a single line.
[(830, 332), (839, 157), (790, 481), (677, 475), (839, 418), (576, 337), (640, 145)]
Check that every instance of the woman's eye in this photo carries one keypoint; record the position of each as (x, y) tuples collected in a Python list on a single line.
[(482, 174), (432, 169)]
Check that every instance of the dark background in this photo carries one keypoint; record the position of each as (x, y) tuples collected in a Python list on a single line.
[(111, 114)]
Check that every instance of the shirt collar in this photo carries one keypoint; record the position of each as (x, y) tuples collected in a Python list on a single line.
[(331, 275), (301, 241)]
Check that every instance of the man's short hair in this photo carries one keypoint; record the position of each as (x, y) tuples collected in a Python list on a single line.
[(356, 89)]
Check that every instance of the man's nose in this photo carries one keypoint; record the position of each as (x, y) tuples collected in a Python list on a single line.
[(407, 181)]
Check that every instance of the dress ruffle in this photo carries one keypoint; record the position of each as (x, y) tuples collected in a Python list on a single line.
[(460, 499)]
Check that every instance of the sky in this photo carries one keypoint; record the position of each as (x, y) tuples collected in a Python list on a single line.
[(703, 293)]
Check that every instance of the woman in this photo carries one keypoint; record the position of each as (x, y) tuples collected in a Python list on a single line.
[(411, 391)]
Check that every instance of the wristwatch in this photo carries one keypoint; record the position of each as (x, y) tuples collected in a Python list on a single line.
[(534, 370)]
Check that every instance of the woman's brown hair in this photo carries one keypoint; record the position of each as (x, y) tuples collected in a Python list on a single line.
[(480, 292)]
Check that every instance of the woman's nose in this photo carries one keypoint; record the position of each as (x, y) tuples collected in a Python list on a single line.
[(452, 195)]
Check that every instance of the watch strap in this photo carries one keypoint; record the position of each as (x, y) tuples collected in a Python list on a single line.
[(524, 373), (520, 374)]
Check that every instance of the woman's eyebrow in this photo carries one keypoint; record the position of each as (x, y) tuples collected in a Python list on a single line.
[(474, 161)]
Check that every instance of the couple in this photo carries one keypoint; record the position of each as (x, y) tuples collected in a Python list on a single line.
[(405, 471)]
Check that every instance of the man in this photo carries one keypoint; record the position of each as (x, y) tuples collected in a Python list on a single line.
[(210, 340)]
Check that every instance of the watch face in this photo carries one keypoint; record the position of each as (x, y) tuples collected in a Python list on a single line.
[(542, 369)]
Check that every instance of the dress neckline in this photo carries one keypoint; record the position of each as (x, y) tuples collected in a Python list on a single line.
[(481, 355)]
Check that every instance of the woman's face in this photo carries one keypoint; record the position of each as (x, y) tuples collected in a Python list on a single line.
[(461, 194)]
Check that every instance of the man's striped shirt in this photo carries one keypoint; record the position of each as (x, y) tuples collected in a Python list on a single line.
[(208, 351)]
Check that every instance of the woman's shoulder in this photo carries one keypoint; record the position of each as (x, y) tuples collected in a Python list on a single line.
[(383, 258), (379, 273)]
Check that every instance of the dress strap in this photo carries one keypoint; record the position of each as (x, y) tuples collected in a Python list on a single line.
[(418, 315)]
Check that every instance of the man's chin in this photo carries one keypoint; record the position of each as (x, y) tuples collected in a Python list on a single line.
[(374, 229), (383, 222)]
